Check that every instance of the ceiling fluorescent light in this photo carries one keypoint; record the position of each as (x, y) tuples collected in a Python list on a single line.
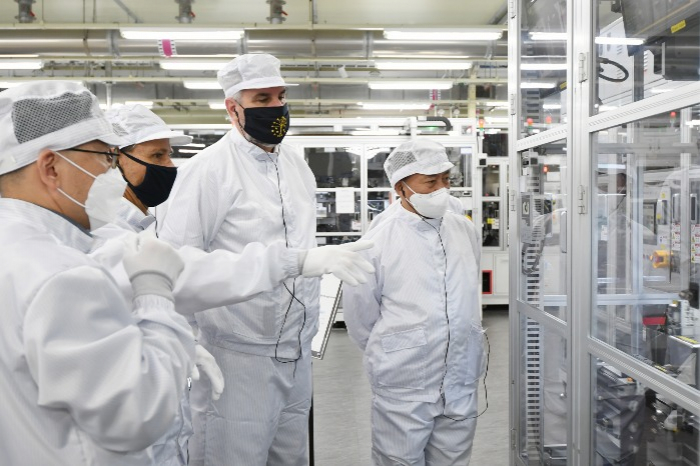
[(496, 120), (9, 84), (533, 85), (21, 64), (393, 106), (422, 65), (189, 151), (543, 66), (192, 65), (145, 103), (208, 84), (547, 36), (420, 34), (194, 144), (181, 33), (408, 85), (217, 105), (496, 103), (618, 41)]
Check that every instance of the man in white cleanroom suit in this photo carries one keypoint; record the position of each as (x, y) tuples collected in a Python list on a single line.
[(244, 189), (418, 320), (86, 377), (209, 279)]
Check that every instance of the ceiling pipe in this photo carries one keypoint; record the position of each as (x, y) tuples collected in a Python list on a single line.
[(185, 15), (282, 43), (25, 15), (251, 26)]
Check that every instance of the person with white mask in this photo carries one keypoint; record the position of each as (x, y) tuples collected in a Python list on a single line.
[(418, 320), (208, 279), (249, 188), (87, 377)]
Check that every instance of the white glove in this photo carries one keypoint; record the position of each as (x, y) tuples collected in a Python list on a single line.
[(206, 361), (152, 265), (343, 261)]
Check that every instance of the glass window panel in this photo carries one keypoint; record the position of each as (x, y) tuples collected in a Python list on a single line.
[(543, 211), (542, 65), (377, 202), (376, 155), (334, 167), (646, 242), (328, 219), (644, 48), (634, 425), (336, 239), (543, 401)]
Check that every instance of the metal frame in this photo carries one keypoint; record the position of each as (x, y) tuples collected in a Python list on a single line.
[(582, 347)]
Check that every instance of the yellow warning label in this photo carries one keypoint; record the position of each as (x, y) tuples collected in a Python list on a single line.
[(677, 27), (489, 221)]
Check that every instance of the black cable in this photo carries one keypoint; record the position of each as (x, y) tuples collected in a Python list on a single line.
[(449, 336), (291, 292), (607, 61)]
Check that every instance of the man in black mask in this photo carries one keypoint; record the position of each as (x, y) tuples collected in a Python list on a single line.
[(250, 188), (145, 164)]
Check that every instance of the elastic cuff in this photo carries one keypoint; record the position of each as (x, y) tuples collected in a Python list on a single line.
[(152, 284), (293, 262)]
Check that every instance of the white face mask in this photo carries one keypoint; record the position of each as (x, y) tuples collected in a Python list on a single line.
[(432, 205), (104, 196)]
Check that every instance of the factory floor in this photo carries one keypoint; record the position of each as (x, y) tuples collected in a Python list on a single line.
[(342, 402)]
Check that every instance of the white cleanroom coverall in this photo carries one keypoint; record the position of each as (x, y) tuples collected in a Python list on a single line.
[(208, 280), (86, 378), (418, 322), (231, 194)]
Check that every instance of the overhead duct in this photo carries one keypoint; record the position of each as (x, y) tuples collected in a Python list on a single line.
[(186, 15), (282, 43), (25, 15)]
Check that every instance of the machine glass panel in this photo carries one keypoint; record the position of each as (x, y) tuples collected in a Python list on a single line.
[(634, 425), (643, 49), (335, 167), (543, 65), (543, 431), (543, 209), (338, 211), (646, 242)]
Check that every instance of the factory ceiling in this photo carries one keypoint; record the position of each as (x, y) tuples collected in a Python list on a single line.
[(346, 56)]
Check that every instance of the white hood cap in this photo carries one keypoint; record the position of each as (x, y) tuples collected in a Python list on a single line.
[(251, 71), (137, 124), (54, 115), (417, 156)]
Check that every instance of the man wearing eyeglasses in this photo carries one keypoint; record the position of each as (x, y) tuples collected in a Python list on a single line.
[(86, 377)]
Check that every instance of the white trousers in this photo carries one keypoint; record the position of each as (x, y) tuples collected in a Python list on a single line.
[(411, 433), (261, 418)]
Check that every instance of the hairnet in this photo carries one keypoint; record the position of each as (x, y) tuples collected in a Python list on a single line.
[(137, 124), (250, 71), (48, 115), (416, 156)]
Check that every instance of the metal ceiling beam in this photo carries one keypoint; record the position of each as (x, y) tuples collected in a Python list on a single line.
[(253, 26), (299, 80), (290, 60)]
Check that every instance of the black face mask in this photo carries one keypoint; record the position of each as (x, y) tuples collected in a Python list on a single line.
[(266, 124), (156, 185)]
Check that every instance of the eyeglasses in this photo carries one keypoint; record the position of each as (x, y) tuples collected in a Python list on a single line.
[(111, 156)]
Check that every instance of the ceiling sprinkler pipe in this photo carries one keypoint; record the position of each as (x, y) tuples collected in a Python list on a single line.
[(25, 15), (277, 13), (185, 15)]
